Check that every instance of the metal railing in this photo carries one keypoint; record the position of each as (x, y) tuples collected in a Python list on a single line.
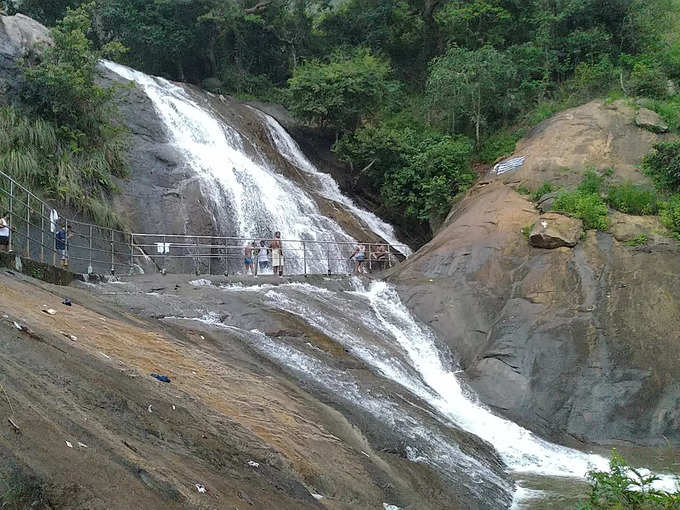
[(95, 249)]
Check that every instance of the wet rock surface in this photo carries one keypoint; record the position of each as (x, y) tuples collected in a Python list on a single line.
[(226, 405)]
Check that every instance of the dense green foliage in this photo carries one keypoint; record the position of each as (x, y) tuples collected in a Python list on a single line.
[(66, 142), (588, 207), (663, 165), (632, 199), (483, 69), (625, 488), (341, 92)]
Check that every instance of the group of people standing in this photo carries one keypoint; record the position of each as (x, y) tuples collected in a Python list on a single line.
[(262, 253), (377, 256)]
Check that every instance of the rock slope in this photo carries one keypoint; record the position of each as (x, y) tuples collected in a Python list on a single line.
[(579, 342)]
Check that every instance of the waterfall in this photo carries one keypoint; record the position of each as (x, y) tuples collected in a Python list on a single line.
[(252, 198), (327, 185), (374, 325)]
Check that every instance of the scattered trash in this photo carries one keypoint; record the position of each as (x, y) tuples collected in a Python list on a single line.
[(200, 488), (82, 445), (173, 407), (390, 507), (66, 302), (73, 338), (254, 464), (16, 325), (149, 408), (105, 355), (161, 378), (202, 337), (316, 496), (50, 311), (14, 425), (69, 444), (367, 455)]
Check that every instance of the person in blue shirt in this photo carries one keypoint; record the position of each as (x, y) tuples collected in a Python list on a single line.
[(61, 238)]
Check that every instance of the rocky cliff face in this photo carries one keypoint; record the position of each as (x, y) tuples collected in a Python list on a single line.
[(578, 342)]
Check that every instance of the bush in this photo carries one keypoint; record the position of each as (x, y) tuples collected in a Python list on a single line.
[(592, 78), (631, 199), (625, 488), (591, 183), (662, 164), (586, 206), (648, 79), (670, 213), (498, 145), (545, 188)]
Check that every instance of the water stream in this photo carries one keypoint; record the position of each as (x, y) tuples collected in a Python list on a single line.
[(372, 323)]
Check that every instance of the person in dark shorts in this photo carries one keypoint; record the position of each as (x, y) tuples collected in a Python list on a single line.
[(61, 238), (4, 232)]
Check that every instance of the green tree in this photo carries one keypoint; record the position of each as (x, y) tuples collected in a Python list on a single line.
[(341, 92), (474, 82)]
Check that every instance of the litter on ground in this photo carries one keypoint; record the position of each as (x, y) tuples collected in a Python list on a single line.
[(68, 443), (161, 378), (200, 488), (254, 464)]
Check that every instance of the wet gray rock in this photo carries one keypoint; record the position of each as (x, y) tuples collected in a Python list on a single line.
[(651, 121), (554, 230), (545, 203)]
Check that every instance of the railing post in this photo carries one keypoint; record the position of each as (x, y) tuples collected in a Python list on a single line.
[(113, 264), (328, 257), (28, 225), (304, 255), (163, 269), (226, 257), (42, 232), (370, 260), (89, 265), (132, 252), (11, 213)]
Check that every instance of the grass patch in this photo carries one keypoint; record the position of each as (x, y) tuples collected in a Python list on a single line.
[(588, 207), (545, 188), (523, 190), (592, 182), (632, 199), (20, 490), (640, 240), (526, 231)]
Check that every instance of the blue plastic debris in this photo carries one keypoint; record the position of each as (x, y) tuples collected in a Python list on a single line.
[(161, 378)]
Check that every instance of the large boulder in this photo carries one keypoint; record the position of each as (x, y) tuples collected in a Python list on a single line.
[(554, 230), (575, 342), (651, 121), (594, 135)]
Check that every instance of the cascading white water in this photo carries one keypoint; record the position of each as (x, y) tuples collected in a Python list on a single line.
[(406, 352), (252, 199), (327, 185)]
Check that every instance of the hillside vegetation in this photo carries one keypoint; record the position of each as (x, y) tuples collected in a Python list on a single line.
[(413, 91)]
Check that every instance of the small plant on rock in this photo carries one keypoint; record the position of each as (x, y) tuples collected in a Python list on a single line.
[(640, 240), (526, 231), (545, 188), (588, 207)]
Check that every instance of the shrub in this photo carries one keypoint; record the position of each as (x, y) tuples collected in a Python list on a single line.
[(648, 79), (631, 199), (662, 164), (497, 145), (588, 207), (670, 213), (546, 187), (591, 183), (640, 240), (667, 110), (625, 488)]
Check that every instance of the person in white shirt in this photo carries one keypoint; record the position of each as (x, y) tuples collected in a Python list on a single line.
[(4, 232), (262, 258)]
